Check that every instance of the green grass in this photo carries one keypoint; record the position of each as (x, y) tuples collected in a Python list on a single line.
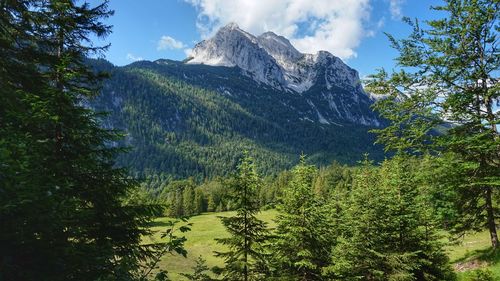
[(200, 241), (473, 251)]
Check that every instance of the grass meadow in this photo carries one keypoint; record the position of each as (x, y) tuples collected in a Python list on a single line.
[(471, 253)]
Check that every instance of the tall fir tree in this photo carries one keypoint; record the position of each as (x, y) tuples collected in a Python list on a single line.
[(389, 232), (62, 213), (449, 77), (304, 232), (246, 258)]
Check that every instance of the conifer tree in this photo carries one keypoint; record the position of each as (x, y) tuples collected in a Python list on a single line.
[(449, 76), (171, 202), (304, 235), (211, 203), (179, 198), (246, 258), (199, 201), (200, 271), (389, 232), (62, 213), (189, 201)]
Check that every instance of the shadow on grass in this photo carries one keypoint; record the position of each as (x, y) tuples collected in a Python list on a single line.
[(170, 222), (160, 223), (489, 255)]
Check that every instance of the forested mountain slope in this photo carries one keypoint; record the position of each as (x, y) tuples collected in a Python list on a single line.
[(193, 119)]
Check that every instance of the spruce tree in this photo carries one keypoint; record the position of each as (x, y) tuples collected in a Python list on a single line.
[(200, 271), (179, 198), (62, 213), (388, 230), (304, 232), (246, 258), (188, 201), (199, 201), (448, 75)]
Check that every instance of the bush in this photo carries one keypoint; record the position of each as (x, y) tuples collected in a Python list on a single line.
[(480, 275)]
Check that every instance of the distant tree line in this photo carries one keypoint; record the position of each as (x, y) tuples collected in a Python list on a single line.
[(183, 198)]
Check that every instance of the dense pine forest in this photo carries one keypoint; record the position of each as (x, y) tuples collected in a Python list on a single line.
[(71, 210), (181, 122)]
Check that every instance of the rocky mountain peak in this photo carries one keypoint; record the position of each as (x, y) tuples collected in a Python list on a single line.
[(279, 47), (231, 46), (270, 59), (231, 25), (331, 88)]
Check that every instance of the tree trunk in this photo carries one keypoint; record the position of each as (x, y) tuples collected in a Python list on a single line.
[(489, 205), (60, 87), (491, 219)]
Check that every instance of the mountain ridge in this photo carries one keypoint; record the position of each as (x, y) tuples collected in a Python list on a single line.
[(271, 59), (192, 119), (217, 51)]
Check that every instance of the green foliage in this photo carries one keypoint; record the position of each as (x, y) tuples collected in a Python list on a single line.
[(68, 213), (199, 202), (246, 257), (189, 201), (388, 232), (304, 235), (200, 271), (480, 275), (172, 244), (449, 77), (179, 198), (64, 213), (200, 241), (187, 120)]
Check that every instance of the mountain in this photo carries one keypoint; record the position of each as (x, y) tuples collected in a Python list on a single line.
[(237, 91), (270, 59)]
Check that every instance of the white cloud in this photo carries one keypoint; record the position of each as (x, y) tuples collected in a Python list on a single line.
[(167, 42), (395, 6), (188, 51), (381, 23), (132, 57), (375, 27), (337, 26)]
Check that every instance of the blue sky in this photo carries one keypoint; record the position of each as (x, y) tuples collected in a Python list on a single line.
[(350, 29)]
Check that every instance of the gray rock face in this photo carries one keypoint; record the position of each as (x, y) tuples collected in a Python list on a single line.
[(271, 59), (232, 46)]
